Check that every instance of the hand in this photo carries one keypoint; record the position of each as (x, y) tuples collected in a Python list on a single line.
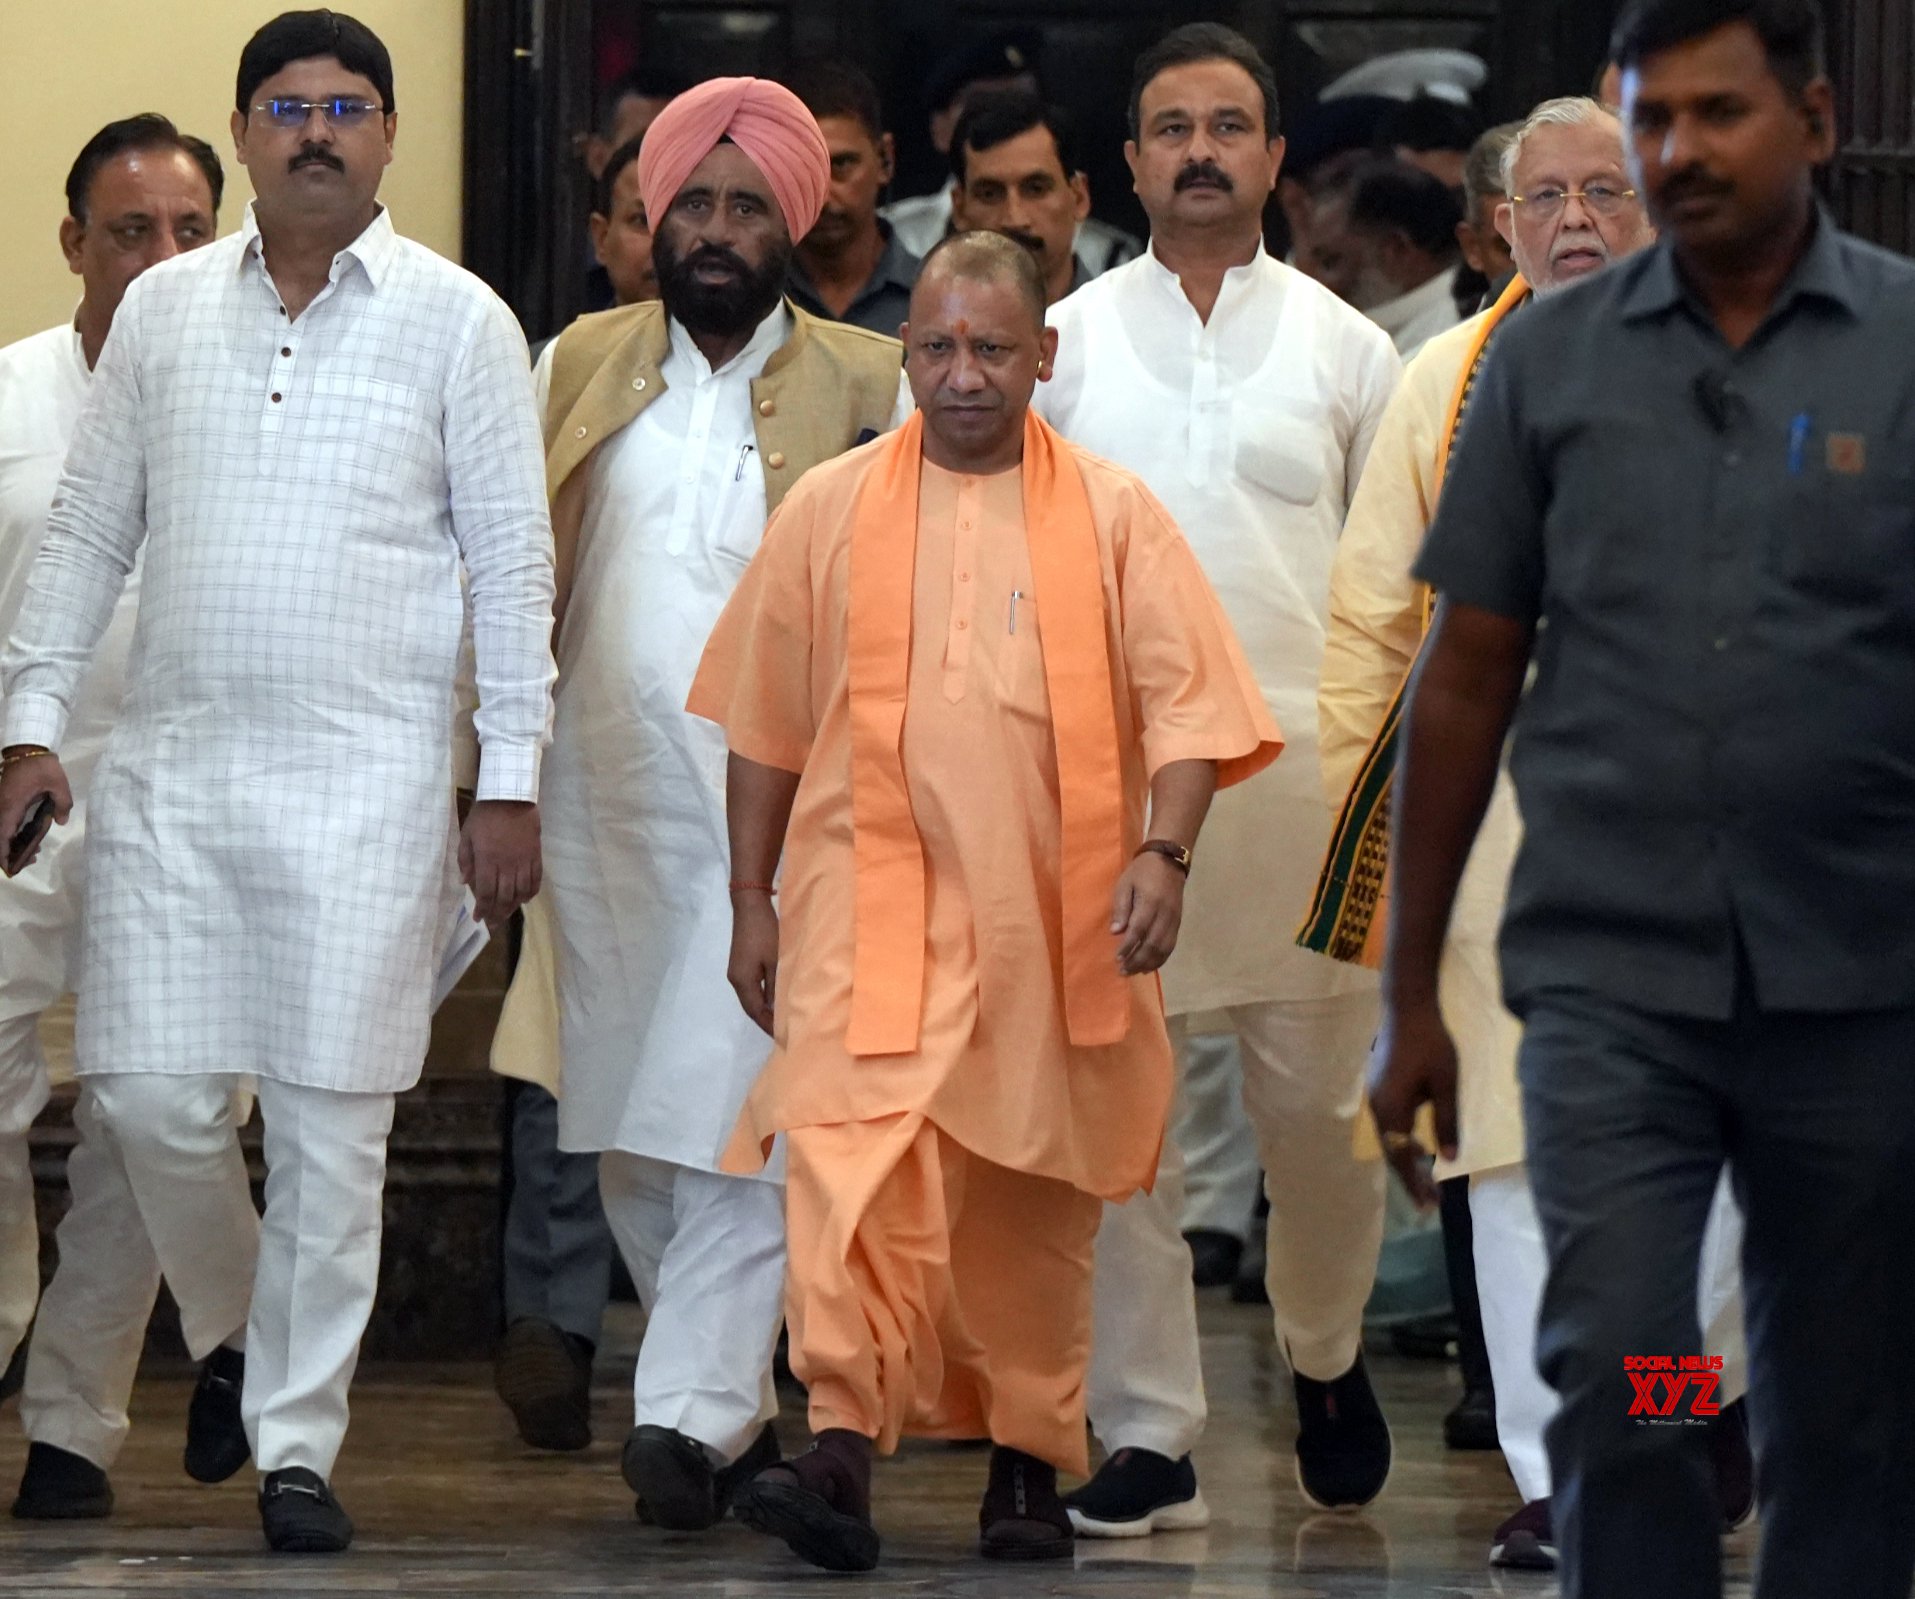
[(1146, 912), (753, 969), (499, 857), (20, 790), (1413, 1063)]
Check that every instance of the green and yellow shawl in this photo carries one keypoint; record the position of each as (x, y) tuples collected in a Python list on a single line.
[(1346, 920)]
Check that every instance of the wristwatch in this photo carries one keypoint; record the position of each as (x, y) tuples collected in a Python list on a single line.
[(1176, 854)]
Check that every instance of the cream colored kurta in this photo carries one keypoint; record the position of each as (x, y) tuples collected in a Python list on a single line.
[(1376, 628), (994, 1069)]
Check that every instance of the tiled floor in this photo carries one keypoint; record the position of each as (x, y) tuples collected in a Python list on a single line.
[(449, 1503)]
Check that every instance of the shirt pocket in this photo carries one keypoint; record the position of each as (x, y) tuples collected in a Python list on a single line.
[(1018, 676), (380, 440), (1280, 451), (1853, 542), (739, 515)]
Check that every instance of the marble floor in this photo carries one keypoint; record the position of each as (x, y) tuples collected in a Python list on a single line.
[(449, 1503)]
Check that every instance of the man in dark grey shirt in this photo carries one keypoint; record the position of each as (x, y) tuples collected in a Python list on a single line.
[(1686, 490)]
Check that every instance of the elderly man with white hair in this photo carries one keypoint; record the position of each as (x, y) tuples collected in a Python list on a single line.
[(1569, 210)]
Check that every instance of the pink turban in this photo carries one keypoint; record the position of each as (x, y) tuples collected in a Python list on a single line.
[(765, 120)]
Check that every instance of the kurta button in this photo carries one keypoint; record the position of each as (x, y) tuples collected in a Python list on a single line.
[(765, 408), (775, 460), (962, 626), (639, 384), (275, 399), (580, 433), (287, 350)]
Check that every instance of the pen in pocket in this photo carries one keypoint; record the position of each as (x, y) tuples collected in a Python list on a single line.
[(1798, 440), (744, 455), (1016, 595)]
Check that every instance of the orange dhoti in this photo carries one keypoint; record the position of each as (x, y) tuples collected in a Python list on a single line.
[(934, 1292)]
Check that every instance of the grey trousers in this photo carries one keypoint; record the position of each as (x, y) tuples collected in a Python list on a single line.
[(1630, 1119), (558, 1248)]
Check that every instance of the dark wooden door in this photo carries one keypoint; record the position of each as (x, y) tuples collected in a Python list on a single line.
[(1872, 57)]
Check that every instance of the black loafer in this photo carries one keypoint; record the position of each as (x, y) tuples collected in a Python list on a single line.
[(299, 1515), (673, 1478), (1471, 1422), (544, 1374), (819, 1503), (216, 1445), (59, 1485)]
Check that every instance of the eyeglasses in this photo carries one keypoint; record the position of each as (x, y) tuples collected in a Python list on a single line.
[(341, 111), (1548, 204)]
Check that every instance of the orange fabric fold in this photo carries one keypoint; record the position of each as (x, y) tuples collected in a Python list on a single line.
[(887, 996)]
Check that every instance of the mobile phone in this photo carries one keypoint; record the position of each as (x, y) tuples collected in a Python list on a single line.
[(39, 818)]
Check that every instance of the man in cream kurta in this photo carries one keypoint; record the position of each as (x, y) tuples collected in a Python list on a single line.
[(308, 427), (1377, 617), (1246, 396), (960, 727), (137, 179), (672, 503)]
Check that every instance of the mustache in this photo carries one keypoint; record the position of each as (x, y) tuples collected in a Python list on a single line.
[(716, 253), (1693, 183), (315, 155), (1203, 172)]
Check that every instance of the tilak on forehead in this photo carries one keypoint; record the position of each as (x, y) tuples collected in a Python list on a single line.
[(765, 120)]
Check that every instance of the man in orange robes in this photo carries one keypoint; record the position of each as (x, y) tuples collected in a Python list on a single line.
[(963, 660)]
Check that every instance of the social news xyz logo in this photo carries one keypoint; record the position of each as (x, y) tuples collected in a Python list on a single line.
[(1673, 1388)]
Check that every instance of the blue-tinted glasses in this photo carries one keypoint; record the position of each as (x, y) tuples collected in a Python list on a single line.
[(342, 111)]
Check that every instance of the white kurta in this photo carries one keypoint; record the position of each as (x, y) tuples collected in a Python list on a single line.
[(43, 384), (271, 839), (1413, 319), (658, 1053), (1252, 428)]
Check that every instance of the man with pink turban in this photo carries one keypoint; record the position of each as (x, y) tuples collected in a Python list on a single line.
[(672, 429)]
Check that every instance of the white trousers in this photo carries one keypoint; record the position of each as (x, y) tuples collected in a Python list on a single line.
[(1303, 1065), (23, 1095), (1213, 1135), (309, 1270), (1511, 1265), (707, 1255)]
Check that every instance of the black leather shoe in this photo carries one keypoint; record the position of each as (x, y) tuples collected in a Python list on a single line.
[(1343, 1443), (1213, 1257), (1471, 1423), (1137, 1492), (216, 1445), (1734, 1463), (59, 1485), (673, 1478), (299, 1515), (544, 1374), (1022, 1517), (1525, 1542)]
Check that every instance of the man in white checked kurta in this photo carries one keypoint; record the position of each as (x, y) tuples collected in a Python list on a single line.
[(308, 441), (1246, 396)]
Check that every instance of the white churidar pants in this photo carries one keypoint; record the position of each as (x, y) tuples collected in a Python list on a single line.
[(1213, 1135), (707, 1255), (157, 1184), (309, 1269), (1303, 1063), (1511, 1264), (23, 1094)]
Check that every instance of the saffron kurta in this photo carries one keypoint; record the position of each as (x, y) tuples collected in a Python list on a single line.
[(994, 1069)]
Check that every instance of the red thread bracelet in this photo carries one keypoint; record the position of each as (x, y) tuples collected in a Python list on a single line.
[(756, 888)]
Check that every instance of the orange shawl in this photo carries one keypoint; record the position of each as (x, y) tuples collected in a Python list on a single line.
[(887, 992)]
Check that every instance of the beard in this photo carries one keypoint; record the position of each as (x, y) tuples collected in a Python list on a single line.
[(721, 309)]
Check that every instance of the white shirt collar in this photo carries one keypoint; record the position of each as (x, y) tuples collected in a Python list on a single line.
[(1424, 303), (373, 250), (765, 338), (1237, 280)]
